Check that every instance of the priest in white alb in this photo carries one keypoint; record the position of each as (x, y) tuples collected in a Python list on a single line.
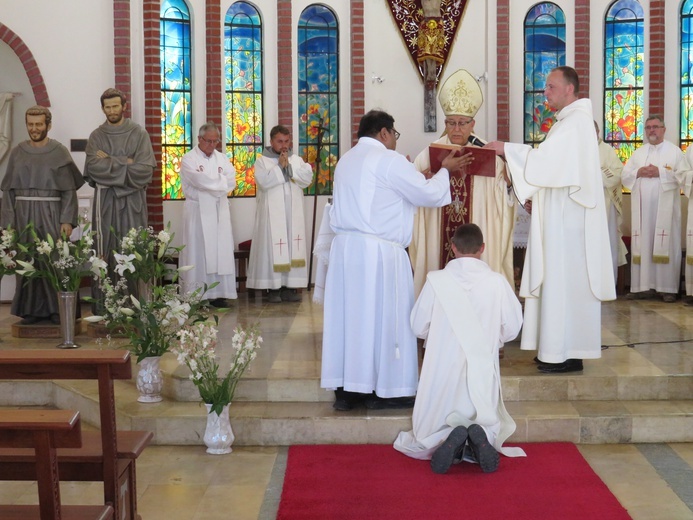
[(465, 312), (568, 270), (655, 224), (368, 349), (207, 177), (613, 199), (278, 250), (486, 201), (685, 178)]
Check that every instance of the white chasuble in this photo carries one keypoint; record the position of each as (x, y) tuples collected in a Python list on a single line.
[(655, 218), (568, 267)]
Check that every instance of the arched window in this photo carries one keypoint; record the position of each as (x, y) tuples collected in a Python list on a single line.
[(243, 80), (686, 123), (318, 93), (544, 33), (623, 77), (176, 93)]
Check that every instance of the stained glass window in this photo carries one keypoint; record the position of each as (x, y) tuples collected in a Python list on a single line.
[(686, 130), (623, 77), (544, 32), (318, 93), (243, 73), (176, 92)]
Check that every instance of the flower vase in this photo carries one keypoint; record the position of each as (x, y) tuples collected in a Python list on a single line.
[(67, 309), (150, 380), (144, 291), (218, 433)]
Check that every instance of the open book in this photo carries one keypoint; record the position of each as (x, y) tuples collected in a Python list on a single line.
[(484, 162)]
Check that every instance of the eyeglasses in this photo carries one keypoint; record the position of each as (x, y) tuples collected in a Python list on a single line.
[(653, 127), (397, 134), (210, 141), (458, 124)]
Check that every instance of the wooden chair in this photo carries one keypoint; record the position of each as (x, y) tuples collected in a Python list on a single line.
[(108, 455), (43, 431)]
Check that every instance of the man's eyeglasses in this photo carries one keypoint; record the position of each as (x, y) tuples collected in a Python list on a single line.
[(211, 141), (458, 124), (397, 134), (653, 127)]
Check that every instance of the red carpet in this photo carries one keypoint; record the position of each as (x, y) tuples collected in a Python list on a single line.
[(375, 481)]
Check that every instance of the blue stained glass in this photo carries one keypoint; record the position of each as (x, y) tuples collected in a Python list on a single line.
[(686, 84), (318, 93), (244, 95), (544, 40), (624, 77), (176, 93)]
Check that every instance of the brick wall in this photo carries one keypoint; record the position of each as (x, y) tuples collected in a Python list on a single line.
[(503, 66), (285, 64), (655, 68), (38, 86), (582, 45), (214, 53), (152, 104), (358, 76)]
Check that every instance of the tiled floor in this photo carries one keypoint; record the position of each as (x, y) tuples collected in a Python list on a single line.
[(653, 481)]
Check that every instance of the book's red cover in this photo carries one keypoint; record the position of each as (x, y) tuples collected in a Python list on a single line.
[(484, 162)]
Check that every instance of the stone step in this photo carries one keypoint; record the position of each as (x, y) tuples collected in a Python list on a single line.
[(285, 423)]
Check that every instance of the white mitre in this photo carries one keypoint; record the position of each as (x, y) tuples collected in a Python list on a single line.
[(460, 95)]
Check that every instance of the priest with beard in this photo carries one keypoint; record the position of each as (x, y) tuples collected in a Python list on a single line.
[(486, 201), (39, 188)]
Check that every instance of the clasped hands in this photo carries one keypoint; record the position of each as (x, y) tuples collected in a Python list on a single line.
[(648, 172)]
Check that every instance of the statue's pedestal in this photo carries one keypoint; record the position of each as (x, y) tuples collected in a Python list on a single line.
[(41, 330), (100, 330)]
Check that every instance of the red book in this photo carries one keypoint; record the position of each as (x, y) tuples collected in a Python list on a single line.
[(484, 162)]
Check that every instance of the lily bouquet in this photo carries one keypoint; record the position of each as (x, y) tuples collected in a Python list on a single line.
[(145, 256), (9, 249), (63, 262), (152, 325), (196, 350)]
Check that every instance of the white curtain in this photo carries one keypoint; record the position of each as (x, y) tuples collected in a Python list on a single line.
[(5, 122)]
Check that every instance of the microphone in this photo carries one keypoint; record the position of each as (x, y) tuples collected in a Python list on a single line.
[(475, 141)]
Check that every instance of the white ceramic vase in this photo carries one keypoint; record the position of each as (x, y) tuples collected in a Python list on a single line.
[(150, 380), (218, 433)]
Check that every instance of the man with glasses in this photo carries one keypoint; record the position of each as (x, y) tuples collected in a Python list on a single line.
[(650, 174), (369, 350), (567, 272), (119, 166), (207, 177), (278, 250), (485, 201)]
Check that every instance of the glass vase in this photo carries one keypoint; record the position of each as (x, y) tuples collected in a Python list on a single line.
[(150, 380), (218, 433), (67, 309)]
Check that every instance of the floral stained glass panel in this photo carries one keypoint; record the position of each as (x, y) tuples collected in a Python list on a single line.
[(176, 92), (244, 93), (544, 33), (318, 94), (623, 76), (686, 123)]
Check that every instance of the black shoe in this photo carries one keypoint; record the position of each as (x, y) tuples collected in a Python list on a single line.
[(29, 320), (449, 451), (373, 402), (274, 296), (55, 319), (539, 361), (485, 454), (345, 401), (219, 303), (669, 297), (569, 365), (290, 295)]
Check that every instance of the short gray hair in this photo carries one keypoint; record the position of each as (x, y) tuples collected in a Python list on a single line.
[(207, 127)]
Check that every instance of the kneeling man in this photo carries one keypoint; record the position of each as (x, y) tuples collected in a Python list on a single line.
[(465, 312)]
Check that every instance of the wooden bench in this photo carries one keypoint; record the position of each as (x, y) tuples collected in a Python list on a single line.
[(107, 455), (43, 431)]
